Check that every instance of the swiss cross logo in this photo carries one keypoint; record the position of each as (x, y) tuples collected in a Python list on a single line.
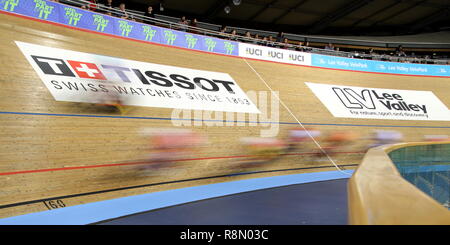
[(86, 70)]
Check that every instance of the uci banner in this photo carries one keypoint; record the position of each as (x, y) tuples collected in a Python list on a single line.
[(377, 103), (274, 54), (83, 77)]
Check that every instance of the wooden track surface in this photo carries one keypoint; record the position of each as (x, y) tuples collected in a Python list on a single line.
[(42, 141)]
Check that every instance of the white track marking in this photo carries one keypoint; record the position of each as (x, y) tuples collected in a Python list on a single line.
[(298, 121)]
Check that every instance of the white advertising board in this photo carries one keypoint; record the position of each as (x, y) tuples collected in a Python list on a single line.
[(274, 54), (83, 77), (378, 103)]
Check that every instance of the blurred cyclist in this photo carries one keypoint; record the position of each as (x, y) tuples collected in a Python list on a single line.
[(436, 138), (112, 99), (385, 137), (336, 141), (168, 146), (260, 150), (298, 136)]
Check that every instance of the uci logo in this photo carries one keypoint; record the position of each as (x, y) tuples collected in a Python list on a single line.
[(72, 68), (297, 57), (254, 51), (275, 54)]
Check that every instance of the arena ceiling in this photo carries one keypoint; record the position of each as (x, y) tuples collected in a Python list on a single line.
[(335, 17)]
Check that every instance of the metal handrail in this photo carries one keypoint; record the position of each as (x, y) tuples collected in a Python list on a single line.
[(378, 194)]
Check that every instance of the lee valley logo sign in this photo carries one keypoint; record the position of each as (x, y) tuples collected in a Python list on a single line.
[(82, 77), (376, 103)]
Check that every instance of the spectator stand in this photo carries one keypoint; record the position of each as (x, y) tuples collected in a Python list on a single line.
[(362, 48)]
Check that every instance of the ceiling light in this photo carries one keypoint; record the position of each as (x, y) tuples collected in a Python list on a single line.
[(236, 2), (227, 9)]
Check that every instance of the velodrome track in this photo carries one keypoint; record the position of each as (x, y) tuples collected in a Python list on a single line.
[(78, 154)]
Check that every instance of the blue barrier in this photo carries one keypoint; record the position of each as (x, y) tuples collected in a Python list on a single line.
[(83, 19), (342, 63)]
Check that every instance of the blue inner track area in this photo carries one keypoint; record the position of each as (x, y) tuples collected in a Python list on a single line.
[(109, 209)]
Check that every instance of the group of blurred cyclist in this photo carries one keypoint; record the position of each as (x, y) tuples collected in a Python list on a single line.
[(167, 146)]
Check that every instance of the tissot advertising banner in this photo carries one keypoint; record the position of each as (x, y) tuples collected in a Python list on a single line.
[(83, 77), (378, 103)]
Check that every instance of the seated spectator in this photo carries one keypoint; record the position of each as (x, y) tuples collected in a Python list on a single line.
[(149, 14), (329, 47), (108, 3), (248, 37), (257, 39), (265, 41), (280, 37), (93, 5), (299, 47), (105, 9), (400, 52), (193, 26), (223, 32), (270, 41), (122, 13), (233, 35), (183, 23), (307, 48), (285, 44)]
